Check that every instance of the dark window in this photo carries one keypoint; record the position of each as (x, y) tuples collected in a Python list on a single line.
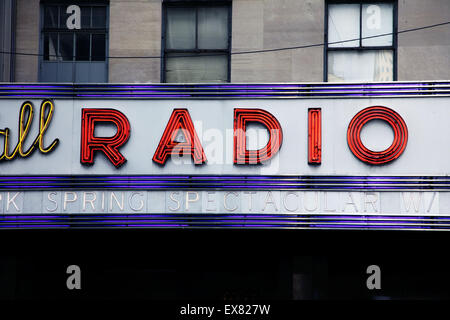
[(367, 56), (62, 43), (51, 17), (65, 46), (86, 14), (196, 41), (50, 46), (82, 45), (74, 52), (98, 47), (63, 16)]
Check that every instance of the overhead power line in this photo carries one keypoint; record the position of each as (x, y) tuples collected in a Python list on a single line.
[(341, 41), (252, 51)]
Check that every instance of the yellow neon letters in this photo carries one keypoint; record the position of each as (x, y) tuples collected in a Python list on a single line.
[(25, 119)]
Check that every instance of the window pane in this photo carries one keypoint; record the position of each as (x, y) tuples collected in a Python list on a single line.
[(99, 17), (51, 17), (201, 68), (98, 47), (180, 29), (343, 24), (50, 46), (66, 46), (63, 16), (377, 19), (85, 17), (82, 47), (213, 28), (368, 65)]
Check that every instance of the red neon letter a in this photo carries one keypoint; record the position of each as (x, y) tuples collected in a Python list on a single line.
[(108, 145), (180, 120)]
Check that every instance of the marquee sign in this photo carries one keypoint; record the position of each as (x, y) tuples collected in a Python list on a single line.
[(120, 158)]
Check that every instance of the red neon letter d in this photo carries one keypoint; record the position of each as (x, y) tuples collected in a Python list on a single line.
[(241, 154)]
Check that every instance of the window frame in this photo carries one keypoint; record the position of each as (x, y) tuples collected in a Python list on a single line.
[(194, 4), (43, 30), (392, 47)]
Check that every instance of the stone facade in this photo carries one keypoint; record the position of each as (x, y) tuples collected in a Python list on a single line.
[(423, 54), (27, 40), (135, 30)]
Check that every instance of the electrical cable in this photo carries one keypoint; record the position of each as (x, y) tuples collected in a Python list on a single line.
[(251, 51)]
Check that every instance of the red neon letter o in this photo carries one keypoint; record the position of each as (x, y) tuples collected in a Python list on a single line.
[(377, 157)]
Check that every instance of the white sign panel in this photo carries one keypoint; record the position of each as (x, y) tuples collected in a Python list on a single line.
[(419, 145), (225, 202)]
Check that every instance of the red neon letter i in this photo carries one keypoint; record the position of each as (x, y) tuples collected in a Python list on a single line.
[(314, 136)]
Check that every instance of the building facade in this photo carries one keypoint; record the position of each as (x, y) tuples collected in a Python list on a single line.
[(229, 41), (287, 233)]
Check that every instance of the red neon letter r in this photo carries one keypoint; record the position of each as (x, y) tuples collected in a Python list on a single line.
[(108, 145)]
